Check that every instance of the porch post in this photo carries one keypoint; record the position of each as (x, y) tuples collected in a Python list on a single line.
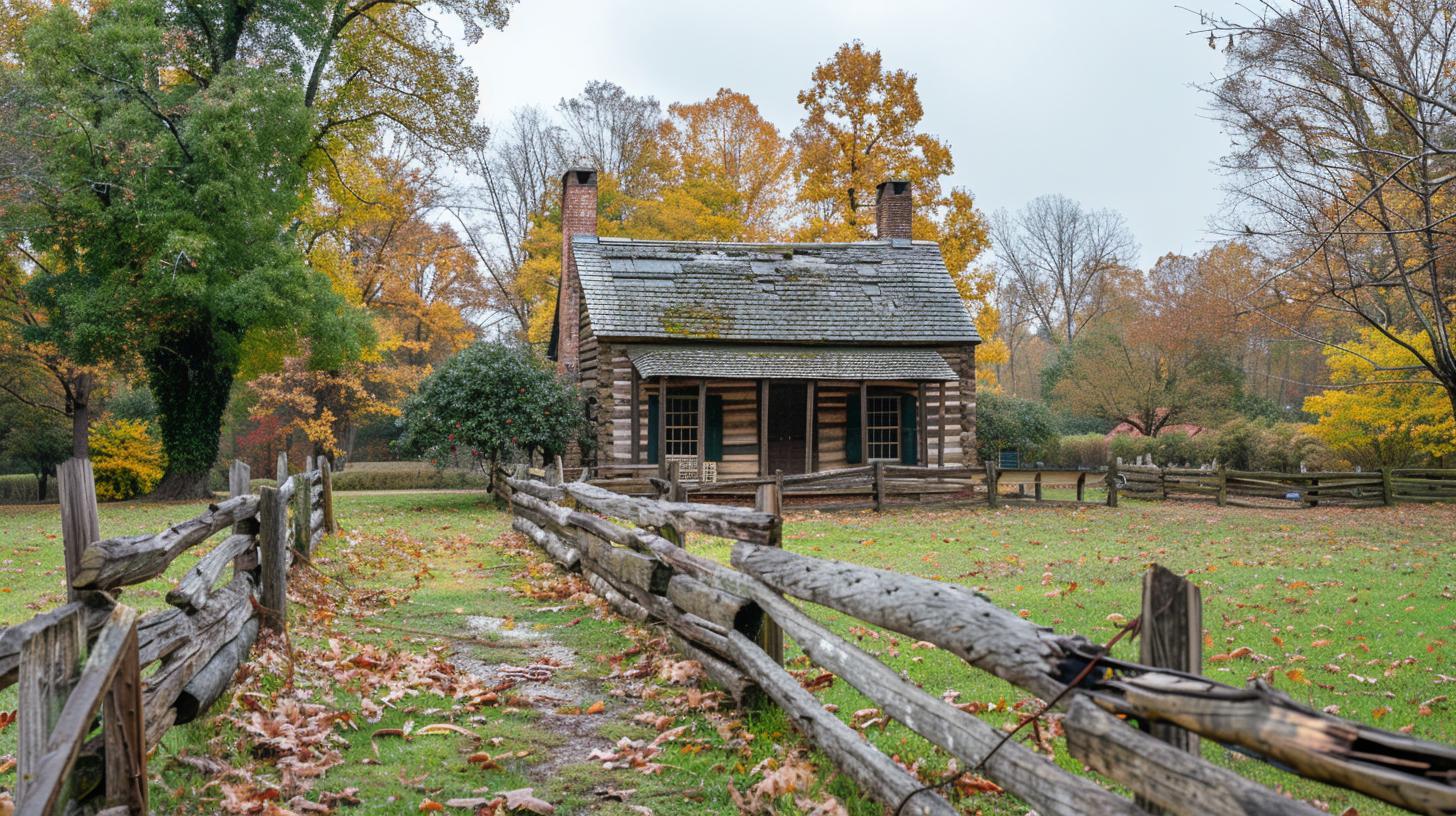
[(940, 426), (763, 427), (635, 402), (662, 427), (702, 426), (923, 437), (864, 421), (809, 429)]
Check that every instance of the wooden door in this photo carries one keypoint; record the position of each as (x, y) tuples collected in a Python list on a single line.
[(787, 412)]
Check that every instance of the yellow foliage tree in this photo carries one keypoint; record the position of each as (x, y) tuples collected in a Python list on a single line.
[(1382, 416), (126, 458), (861, 128)]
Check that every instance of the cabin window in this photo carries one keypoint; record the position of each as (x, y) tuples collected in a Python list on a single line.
[(682, 425), (882, 427)]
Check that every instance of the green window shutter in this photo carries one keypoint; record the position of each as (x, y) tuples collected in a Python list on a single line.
[(713, 434), (909, 442), (852, 452), (652, 434)]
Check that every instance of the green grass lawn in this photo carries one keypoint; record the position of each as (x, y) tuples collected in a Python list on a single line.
[(1354, 609)]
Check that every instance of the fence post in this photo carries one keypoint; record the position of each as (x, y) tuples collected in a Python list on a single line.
[(282, 467), (770, 499), (993, 485), (124, 730), (326, 476), (302, 512), (273, 556), (1036, 485), (50, 667), (1171, 638), (1222, 486), (1387, 490), (675, 490), (239, 484), (1081, 485), (80, 525), (1112, 483), (879, 486)]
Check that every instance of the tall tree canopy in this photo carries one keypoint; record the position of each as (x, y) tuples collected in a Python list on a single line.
[(1341, 113), (175, 144)]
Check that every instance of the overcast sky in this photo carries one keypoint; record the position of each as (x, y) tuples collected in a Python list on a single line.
[(1093, 100)]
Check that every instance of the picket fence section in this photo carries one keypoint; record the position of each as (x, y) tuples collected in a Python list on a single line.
[(731, 620), (88, 655)]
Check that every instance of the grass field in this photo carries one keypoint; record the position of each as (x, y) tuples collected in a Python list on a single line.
[(1347, 609)]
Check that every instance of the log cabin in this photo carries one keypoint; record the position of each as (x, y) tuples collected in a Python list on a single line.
[(738, 360)]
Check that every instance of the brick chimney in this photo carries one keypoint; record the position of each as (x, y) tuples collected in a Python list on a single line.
[(893, 210), (578, 217)]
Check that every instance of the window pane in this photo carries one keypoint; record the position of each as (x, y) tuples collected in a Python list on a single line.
[(882, 427), (681, 425)]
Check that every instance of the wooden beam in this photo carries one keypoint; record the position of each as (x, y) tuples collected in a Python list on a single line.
[(635, 402), (662, 427), (763, 428), (922, 437), (864, 422), (809, 427), (702, 430)]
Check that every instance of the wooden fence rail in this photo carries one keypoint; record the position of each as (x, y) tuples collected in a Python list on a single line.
[(717, 615), (88, 655)]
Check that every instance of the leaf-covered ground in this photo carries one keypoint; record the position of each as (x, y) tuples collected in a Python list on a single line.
[(437, 663)]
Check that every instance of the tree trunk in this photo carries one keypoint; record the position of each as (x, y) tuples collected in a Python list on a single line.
[(192, 379), (80, 417), (40, 484)]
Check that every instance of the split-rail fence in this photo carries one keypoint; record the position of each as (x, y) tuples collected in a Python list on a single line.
[(87, 657), (732, 619)]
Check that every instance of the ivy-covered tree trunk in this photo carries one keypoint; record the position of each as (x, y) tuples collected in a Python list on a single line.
[(191, 376)]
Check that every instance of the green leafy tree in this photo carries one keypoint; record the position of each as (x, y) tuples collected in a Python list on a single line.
[(174, 144), (490, 402), (36, 439), (1012, 423)]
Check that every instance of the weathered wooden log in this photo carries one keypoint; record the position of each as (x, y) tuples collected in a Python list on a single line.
[(1180, 782), (1043, 785), (120, 561), (723, 673), (876, 774), (620, 603), (709, 519), (1404, 771), (315, 521), (538, 490), (164, 631), (208, 684), (1393, 767), (545, 514), (94, 608), (191, 592), (563, 553), (950, 616), (51, 760), (724, 609), (165, 685), (625, 566), (273, 557)]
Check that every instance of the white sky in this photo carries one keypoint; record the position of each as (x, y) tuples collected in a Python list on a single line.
[(1091, 99)]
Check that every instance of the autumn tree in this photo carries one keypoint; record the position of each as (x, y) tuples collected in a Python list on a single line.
[(861, 128), (1341, 116), (178, 141), (1376, 415), (323, 408)]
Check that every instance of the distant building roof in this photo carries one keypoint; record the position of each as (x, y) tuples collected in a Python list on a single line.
[(871, 292), (790, 362)]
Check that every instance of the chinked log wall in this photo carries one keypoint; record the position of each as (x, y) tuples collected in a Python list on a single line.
[(628, 548), (88, 655)]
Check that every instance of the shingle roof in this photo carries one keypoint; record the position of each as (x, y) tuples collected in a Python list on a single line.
[(869, 292), (789, 362)]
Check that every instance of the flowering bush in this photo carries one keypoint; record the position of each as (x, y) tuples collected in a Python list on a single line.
[(126, 457)]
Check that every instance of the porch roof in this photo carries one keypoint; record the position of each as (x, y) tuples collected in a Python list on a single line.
[(790, 362)]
